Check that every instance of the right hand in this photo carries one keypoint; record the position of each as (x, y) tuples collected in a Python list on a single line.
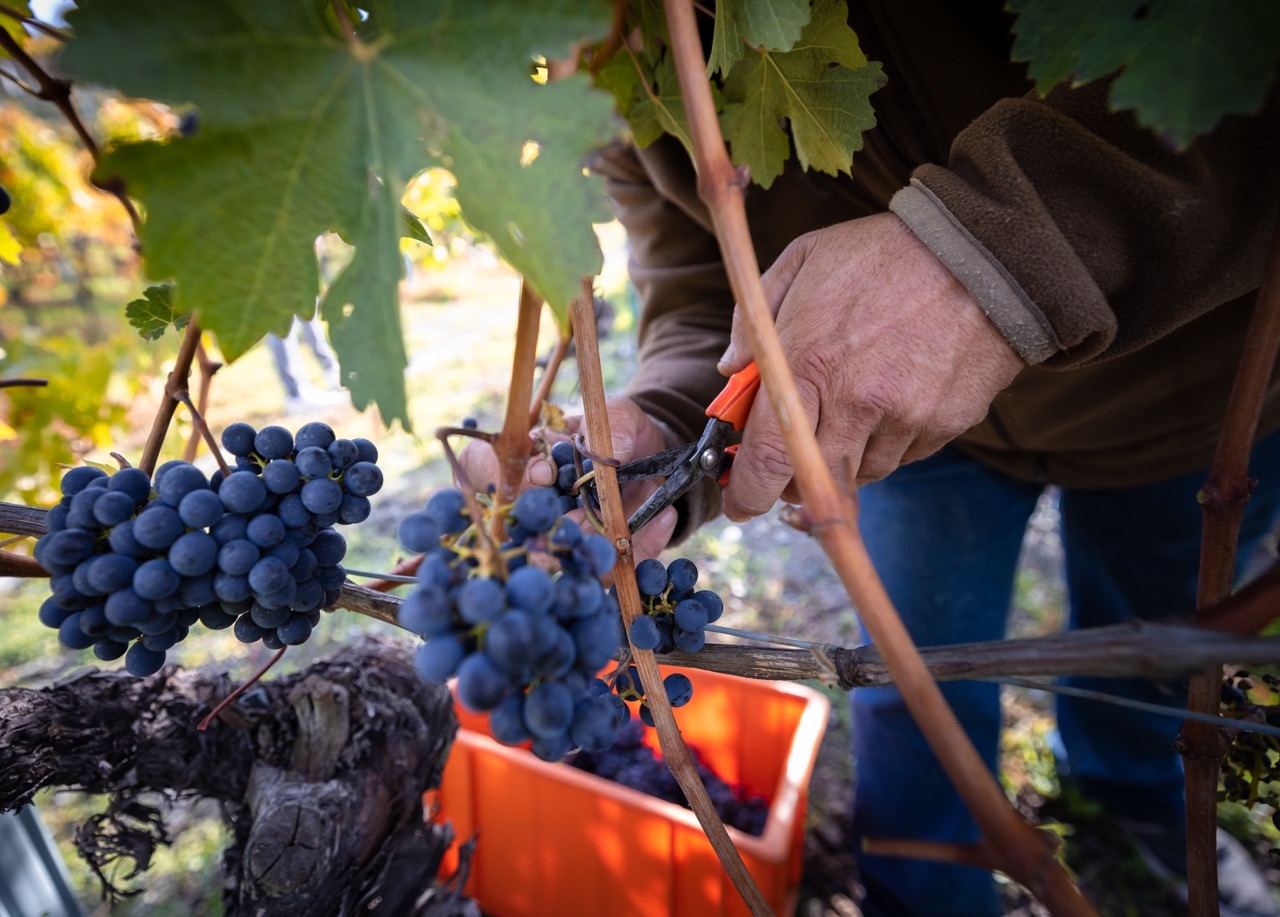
[(634, 434)]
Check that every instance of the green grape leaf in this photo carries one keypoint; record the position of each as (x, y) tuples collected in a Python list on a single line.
[(411, 227), (771, 25), (303, 130), (155, 312), (651, 102), (1184, 63), (821, 87)]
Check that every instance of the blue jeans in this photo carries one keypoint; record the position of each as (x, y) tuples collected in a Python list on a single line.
[(945, 535)]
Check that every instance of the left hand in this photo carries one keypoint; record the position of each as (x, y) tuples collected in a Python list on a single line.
[(892, 357)]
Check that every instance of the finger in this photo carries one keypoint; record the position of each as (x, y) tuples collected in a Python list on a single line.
[(655, 535), (479, 464), (761, 470), (776, 281), (540, 472), (885, 451)]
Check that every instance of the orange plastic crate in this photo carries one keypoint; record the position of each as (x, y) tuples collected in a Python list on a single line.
[(554, 840)]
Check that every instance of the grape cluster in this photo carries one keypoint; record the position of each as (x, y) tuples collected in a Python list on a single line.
[(136, 562), (675, 615), (524, 643), (632, 763)]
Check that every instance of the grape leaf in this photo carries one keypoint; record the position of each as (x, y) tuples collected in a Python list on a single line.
[(13, 25), (305, 130), (155, 312), (651, 102), (773, 25), (1186, 63), (821, 86)]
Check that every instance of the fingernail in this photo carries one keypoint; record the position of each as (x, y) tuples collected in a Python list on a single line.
[(730, 352), (539, 473)]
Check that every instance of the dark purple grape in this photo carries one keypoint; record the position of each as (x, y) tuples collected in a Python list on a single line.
[(449, 508), (506, 721), (281, 476), (364, 479), (315, 433), (481, 686), (180, 480), (155, 579), (481, 599), (321, 495), (273, 442), (548, 709), (343, 453), (537, 508), (329, 547), (354, 509), (682, 574), (132, 481), (295, 631), (238, 439), (644, 633), (438, 659), (141, 662), (193, 554), (313, 462), (113, 507), (689, 641), (365, 450), (242, 492), (532, 589), (266, 531), (200, 509), (78, 478), (679, 689)]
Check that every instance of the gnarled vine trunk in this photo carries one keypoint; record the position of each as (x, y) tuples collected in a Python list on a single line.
[(320, 774)]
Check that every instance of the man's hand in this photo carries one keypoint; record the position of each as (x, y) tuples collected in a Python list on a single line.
[(892, 356), (634, 435)]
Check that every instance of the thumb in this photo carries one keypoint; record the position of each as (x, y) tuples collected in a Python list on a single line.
[(776, 282)]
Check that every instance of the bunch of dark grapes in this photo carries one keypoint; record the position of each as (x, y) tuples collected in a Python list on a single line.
[(632, 763), (675, 615), (1251, 766), (524, 643), (136, 562)]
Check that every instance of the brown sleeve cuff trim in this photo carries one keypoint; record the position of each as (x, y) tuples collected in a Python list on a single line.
[(996, 291)]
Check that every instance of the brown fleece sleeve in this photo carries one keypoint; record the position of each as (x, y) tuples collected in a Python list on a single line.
[(1095, 238)]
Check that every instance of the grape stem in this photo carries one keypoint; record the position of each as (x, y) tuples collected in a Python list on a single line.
[(177, 382), (721, 186), (234, 695), (1225, 493), (549, 374), (674, 750), (207, 369), (202, 429)]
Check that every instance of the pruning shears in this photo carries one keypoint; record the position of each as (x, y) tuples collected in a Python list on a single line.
[(710, 457)]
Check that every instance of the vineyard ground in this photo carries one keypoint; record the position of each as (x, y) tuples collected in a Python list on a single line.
[(774, 580)]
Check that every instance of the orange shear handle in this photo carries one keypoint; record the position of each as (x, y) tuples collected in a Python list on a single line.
[(733, 404)]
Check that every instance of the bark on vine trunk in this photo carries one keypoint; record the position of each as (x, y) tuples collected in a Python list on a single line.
[(320, 775)]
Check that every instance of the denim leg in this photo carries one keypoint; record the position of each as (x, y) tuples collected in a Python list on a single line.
[(1134, 553), (944, 534)]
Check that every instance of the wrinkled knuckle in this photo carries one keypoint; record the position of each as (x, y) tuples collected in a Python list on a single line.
[(772, 462)]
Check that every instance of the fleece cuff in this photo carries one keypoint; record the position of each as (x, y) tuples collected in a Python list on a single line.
[(996, 291)]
